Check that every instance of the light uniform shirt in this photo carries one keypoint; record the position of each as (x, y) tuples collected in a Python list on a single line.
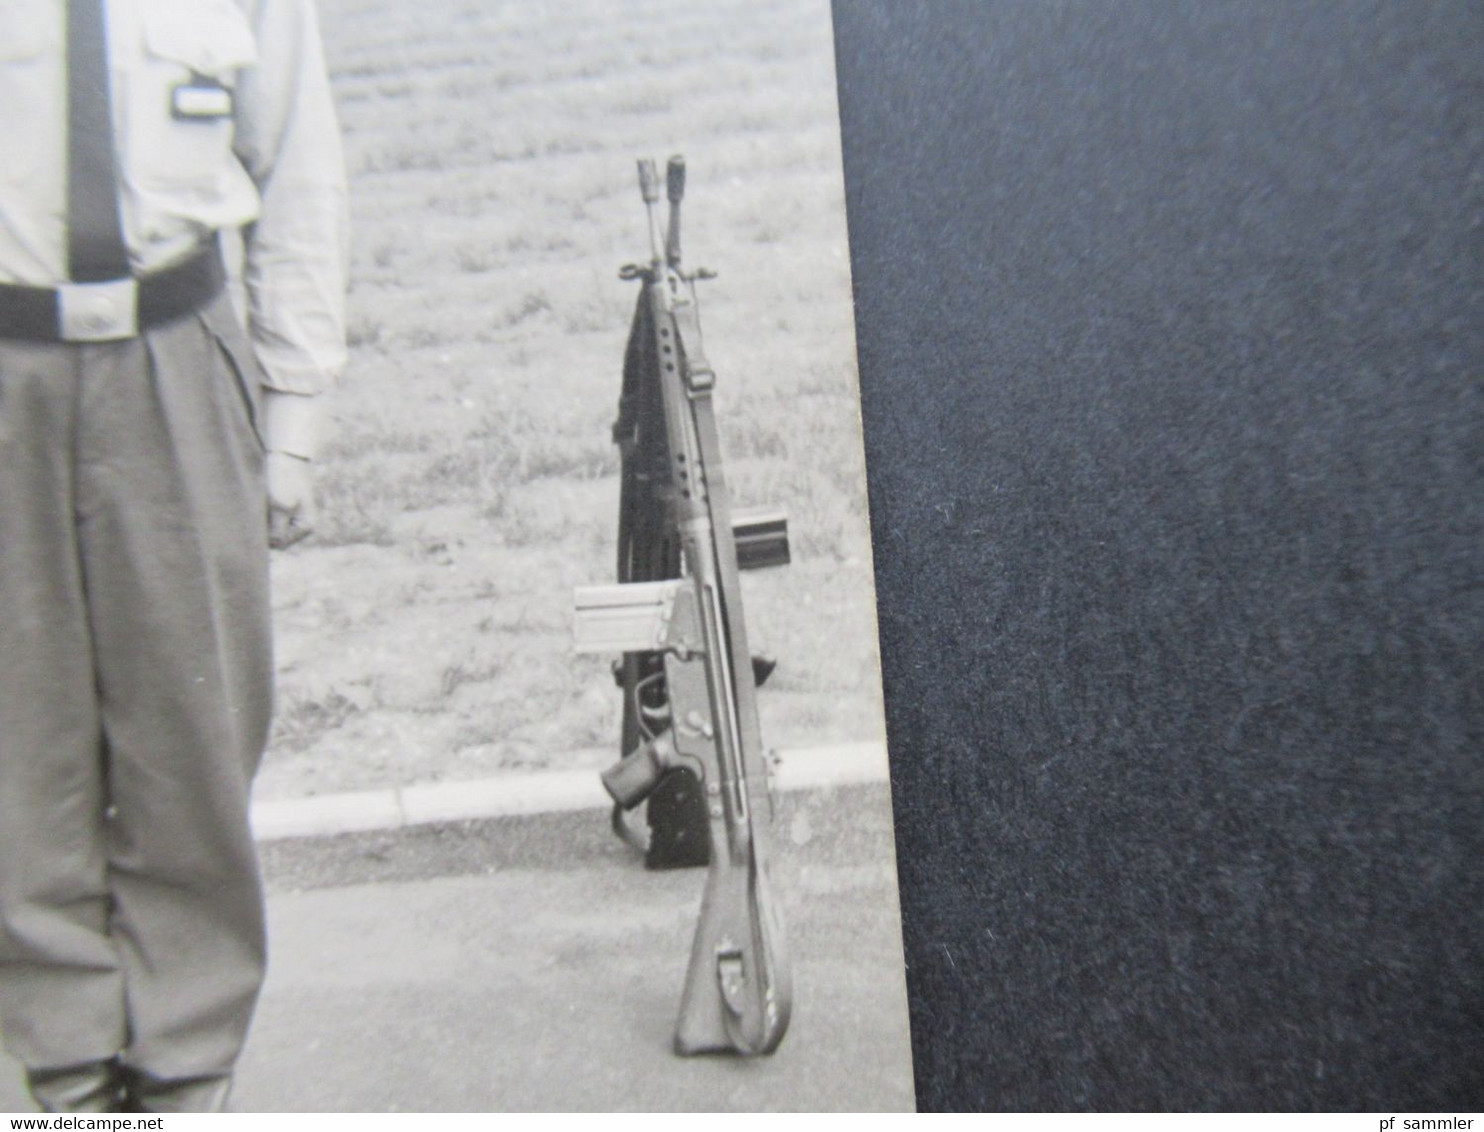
[(223, 119)]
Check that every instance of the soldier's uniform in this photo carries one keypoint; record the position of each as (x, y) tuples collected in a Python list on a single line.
[(137, 417)]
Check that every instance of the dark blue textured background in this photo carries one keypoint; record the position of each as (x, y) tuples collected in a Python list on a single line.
[(1171, 323)]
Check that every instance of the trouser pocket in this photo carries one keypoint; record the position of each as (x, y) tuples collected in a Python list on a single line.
[(220, 320)]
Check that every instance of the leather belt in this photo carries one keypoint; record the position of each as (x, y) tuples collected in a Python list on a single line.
[(114, 309)]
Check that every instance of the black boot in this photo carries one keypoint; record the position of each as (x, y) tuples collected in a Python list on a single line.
[(147, 1093), (96, 1086)]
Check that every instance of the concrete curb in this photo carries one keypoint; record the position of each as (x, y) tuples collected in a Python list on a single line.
[(509, 795)]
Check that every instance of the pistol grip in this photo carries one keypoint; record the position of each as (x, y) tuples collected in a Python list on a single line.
[(634, 777)]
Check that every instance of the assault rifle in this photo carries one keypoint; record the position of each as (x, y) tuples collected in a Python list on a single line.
[(691, 742)]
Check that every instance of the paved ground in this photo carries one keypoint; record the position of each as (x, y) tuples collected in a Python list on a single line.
[(531, 963)]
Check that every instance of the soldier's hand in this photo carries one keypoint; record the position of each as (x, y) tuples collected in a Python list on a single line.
[(291, 511)]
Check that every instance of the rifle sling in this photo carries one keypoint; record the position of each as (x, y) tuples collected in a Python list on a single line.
[(699, 380)]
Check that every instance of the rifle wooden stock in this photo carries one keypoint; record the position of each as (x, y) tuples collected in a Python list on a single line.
[(688, 676)]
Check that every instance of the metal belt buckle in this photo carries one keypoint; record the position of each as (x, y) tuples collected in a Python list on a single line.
[(98, 312)]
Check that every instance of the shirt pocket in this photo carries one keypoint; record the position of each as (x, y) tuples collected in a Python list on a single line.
[(181, 109), (31, 87)]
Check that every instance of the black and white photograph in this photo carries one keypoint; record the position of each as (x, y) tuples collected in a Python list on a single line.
[(448, 659), (540, 764)]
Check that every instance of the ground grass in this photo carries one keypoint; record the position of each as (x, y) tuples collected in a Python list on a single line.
[(470, 482)]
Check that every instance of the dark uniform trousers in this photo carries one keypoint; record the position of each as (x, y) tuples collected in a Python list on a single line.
[(135, 688)]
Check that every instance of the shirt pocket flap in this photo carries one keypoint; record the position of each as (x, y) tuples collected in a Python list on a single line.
[(26, 29), (211, 37)]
